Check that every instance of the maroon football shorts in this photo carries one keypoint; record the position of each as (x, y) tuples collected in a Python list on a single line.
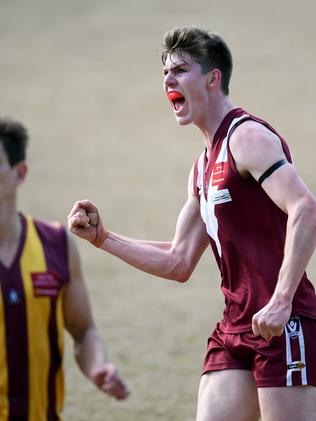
[(287, 360)]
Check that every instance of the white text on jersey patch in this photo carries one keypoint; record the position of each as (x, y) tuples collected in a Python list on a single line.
[(219, 196)]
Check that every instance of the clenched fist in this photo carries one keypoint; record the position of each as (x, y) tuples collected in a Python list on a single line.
[(84, 221)]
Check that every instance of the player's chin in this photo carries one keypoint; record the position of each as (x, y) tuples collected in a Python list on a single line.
[(182, 121)]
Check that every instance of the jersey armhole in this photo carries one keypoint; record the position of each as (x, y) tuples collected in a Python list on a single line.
[(265, 124), (231, 131), (195, 178)]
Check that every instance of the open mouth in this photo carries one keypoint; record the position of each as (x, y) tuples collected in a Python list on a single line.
[(176, 99)]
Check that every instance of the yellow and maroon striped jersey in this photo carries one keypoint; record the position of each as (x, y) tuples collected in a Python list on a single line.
[(31, 324)]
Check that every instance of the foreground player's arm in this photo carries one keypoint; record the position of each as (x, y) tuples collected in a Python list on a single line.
[(90, 352), (291, 195), (174, 260)]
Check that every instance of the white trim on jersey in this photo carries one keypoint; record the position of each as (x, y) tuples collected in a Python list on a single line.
[(207, 208), (294, 365), (222, 156), (288, 359)]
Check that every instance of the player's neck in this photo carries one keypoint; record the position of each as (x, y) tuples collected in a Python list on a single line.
[(218, 110), (10, 224)]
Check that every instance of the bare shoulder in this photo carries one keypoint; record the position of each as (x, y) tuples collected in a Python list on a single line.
[(255, 148), (251, 136)]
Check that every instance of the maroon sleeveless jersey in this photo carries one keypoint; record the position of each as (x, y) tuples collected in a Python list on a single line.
[(247, 231)]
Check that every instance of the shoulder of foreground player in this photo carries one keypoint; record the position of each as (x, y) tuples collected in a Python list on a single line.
[(254, 147), (253, 134)]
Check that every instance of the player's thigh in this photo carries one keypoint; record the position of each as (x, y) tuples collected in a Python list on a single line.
[(228, 394), (288, 403)]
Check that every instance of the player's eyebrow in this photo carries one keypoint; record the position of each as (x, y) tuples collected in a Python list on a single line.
[(175, 66)]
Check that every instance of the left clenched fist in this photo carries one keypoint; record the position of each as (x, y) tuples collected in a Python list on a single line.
[(271, 319), (85, 222)]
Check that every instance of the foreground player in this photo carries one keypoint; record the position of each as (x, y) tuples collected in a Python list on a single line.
[(42, 289), (246, 199)]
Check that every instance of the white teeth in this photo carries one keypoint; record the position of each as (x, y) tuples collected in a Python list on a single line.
[(178, 105)]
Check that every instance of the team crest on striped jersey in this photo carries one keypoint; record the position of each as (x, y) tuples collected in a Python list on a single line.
[(13, 296)]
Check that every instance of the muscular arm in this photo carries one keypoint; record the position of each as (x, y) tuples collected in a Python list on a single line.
[(173, 260), (256, 149), (90, 351)]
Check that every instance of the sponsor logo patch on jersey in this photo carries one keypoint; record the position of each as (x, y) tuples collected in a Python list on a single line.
[(220, 196), (219, 172), (293, 328), (45, 284)]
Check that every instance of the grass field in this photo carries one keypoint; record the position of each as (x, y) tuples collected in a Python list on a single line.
[(85, 77)]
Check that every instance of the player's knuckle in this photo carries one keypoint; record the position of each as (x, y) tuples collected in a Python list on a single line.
[(262, 323)]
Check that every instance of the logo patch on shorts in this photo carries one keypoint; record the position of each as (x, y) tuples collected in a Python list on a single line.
[(297, 365), (220, 196), (293, 327)]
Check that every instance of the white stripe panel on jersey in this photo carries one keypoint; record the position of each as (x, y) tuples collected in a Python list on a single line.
[(207, 208), (200, 166), (222, 156), (289, 360)]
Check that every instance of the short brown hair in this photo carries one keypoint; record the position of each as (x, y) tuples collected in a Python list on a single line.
[(14, 138), (209, 50)]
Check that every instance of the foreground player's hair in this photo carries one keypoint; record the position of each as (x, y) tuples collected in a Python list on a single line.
[(209, 50)]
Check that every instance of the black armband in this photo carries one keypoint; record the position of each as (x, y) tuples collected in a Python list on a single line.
[(271, 170)]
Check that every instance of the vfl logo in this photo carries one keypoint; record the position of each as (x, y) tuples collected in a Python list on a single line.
[(293, 328)]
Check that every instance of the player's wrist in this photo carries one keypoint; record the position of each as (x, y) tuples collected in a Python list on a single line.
[(100, 238), (283, 297)]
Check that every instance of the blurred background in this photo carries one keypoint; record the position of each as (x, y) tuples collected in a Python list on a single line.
[(85, 78)]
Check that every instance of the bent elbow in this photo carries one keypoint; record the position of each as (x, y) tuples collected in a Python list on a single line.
[(178, 273), (183, 277), (182, 274), (180, 266)]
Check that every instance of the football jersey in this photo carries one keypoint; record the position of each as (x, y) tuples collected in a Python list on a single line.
[(31, 324), (246, 231)]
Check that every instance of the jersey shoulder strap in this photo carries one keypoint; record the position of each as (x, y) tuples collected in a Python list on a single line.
[(198, 175)]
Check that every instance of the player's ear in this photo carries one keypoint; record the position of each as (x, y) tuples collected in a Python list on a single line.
[(214, 78), (21, 171)]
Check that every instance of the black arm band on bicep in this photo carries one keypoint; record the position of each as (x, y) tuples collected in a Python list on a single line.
[(271, 170)]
